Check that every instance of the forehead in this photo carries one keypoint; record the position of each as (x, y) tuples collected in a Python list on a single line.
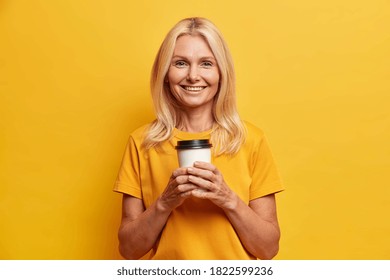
[(192, 45)]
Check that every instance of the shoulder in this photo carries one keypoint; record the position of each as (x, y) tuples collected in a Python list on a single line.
[(138, 134), (140, 131), (254, 133)]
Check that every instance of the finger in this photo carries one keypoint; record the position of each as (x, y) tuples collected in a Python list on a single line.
[(206, 184), (182, 179), (203, 173), (206, 166), (186, 188), (186, 194), (178, 172), (201, 193)]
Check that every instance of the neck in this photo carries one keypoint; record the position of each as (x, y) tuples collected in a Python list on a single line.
[(195, 121)]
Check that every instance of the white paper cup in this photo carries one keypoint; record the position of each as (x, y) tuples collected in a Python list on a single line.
[(189, 151)]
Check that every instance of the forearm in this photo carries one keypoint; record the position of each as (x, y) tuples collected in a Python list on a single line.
[(138, 236), (140, 227), (259, 236)]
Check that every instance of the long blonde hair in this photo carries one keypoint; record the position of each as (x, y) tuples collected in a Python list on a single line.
[(228, 132)]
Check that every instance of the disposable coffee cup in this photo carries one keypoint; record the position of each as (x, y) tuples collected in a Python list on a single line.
[(189, 151)]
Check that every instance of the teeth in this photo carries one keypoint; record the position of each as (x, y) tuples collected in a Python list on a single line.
[(193, 88)]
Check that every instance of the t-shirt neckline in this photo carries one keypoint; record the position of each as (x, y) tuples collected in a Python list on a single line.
[(185, 135)]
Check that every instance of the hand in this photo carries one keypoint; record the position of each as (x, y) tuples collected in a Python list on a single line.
[(177, 191), (207, 176)]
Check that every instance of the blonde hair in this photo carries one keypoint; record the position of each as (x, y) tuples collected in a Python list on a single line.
[(228, 133)]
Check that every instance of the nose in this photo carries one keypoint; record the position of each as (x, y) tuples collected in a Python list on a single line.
[(193, 75)]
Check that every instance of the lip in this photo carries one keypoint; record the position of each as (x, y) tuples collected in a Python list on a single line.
[(193, 89)]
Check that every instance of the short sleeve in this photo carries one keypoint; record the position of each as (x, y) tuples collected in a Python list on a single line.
[(265, 176), (128, 180)]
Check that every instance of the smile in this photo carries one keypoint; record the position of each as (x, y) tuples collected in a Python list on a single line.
[(194, 89)]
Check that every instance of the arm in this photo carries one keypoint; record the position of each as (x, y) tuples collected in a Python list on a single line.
[(256, 224), (140, 227)]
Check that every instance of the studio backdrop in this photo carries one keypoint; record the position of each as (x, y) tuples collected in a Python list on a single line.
[(74, 83)]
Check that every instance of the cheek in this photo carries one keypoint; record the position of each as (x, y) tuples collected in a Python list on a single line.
[(212, 78), (170, 77), (175, 76)]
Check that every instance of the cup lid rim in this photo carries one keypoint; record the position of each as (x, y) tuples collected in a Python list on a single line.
[(193, 144)]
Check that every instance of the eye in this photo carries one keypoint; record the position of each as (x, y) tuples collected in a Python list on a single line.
[(180, 64), (207, 64)]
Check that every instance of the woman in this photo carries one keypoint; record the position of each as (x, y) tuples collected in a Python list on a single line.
[(223, 210)]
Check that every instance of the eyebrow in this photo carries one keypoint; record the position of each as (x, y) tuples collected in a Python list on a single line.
[(201, 58)]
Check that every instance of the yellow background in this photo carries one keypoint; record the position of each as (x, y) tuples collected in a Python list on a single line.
[(74, 82)]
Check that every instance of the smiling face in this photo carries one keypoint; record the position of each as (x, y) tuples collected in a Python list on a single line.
[(193, 75)]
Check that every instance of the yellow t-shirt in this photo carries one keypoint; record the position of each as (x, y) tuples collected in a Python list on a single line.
[(198, 229)]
